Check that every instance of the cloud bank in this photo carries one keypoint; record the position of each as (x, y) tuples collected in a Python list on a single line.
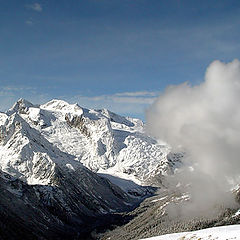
[(204, 122)]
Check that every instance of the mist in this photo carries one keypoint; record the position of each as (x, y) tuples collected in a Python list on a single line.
[(204, 122)]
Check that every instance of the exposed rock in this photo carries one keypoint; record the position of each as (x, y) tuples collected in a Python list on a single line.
[(77, 122)]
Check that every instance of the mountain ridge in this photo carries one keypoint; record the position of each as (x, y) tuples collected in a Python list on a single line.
[(75, 167), (101, 140)]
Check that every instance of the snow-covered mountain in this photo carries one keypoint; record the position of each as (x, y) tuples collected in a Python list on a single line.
[(36, 137), (66, 171), (55, 159)]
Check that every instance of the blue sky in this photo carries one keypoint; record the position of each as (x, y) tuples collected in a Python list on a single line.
[(117, 54)]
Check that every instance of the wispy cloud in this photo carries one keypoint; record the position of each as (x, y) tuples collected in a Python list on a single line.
[(131, 104), (12, 88), (35, 6), (29, 22), (13, 92), (10, 94), (126, 103), (137, 94)]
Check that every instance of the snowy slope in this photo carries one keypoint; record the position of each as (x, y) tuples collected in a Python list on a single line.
[(111, 145), (26, 154), (106, 142), (217, 233), (53, 157)]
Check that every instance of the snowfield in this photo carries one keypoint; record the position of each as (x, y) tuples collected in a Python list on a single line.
[(231, 232)]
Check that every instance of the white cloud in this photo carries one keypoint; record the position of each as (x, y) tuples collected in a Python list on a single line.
[(138, 100), (138, 94), (204, 121), (29, 22), (35, 6)]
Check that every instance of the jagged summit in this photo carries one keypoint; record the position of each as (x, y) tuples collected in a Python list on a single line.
[(21, 106)]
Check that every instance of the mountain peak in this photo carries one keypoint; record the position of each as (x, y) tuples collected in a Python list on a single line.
[(24, 102), (21, 106), (63, 106)]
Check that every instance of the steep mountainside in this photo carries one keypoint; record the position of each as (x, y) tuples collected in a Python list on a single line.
[(52, 161), (72, 209), (102, 141)]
